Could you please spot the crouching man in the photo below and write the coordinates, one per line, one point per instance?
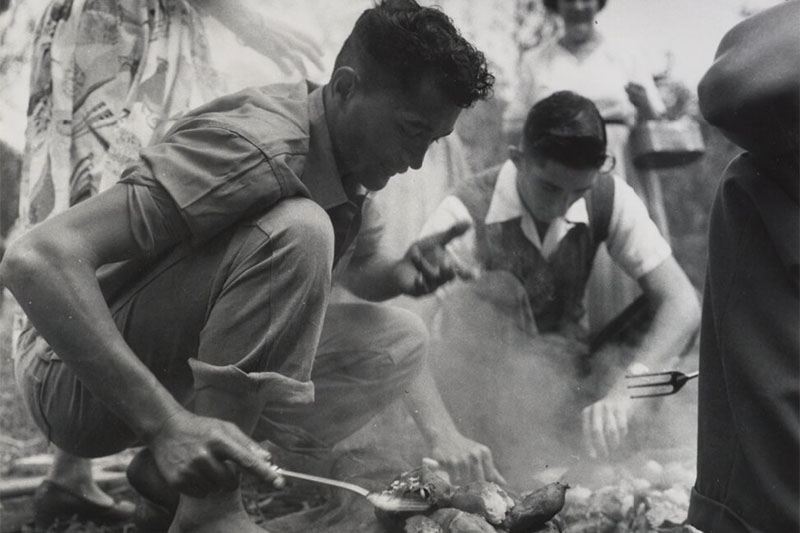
(188, 322)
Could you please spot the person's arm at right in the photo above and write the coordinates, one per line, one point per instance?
(51, 270)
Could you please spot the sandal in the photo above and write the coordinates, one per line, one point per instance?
(55, 503)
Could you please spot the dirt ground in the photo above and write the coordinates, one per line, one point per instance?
(20, 438)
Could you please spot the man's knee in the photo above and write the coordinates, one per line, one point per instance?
(301, 234)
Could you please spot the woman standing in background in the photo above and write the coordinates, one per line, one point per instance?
(617, 80)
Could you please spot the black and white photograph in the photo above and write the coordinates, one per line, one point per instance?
(400, 266)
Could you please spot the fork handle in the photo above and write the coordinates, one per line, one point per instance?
(324, 480)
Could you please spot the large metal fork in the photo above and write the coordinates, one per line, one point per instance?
(675, 380)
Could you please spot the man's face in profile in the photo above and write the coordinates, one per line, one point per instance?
(387, 131)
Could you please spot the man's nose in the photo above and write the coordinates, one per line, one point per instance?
(415, 156)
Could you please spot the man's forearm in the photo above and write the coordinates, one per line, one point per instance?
(377, 280)
(427, 407)
(62, 298)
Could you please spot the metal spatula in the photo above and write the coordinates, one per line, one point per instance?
(381, 500)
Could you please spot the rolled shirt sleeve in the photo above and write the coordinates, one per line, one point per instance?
(214, 178)
(634, 241)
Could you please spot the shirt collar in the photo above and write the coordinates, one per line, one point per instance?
(321, 174)
(506, 203)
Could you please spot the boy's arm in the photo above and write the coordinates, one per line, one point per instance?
(677, 317)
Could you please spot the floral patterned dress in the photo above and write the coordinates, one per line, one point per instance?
(108, 77)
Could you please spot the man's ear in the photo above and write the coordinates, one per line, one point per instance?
(344, 82)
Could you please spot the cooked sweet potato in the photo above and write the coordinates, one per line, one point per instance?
(536, 508)
(457, 521)
(422, 524)
(483, 498)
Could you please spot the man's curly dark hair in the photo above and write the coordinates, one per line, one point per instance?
(398, 42)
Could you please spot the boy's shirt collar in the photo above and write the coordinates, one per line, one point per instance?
(507, 205)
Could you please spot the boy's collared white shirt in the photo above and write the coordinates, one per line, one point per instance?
(633, 242)
(507, 205)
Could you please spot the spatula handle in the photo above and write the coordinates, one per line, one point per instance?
(325, 481)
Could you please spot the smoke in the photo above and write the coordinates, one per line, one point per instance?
(523, 397)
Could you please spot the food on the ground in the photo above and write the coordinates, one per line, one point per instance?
(653, 472)
(593, 524)
(422, 524)
(547, 527)
(483, 498)
(669, 506)
(612, 502)
(536, 508)
(423, 483)
(457, 521)
(632, 503)
(676, 473)
(479, 507)
(578, 496)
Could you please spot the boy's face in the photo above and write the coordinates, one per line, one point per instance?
(548, 188)
(578, 11)
(383, 132)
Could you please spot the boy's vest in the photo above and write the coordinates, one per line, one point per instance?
(555, 286)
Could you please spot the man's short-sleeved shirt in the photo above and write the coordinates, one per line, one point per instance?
(231, 159)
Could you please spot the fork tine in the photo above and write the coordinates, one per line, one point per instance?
(649, 374)
(644, 385)
(676, 381)
(653, 395)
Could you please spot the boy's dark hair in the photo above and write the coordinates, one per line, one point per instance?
(552, 5)
(566, 127)
(398, 42)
